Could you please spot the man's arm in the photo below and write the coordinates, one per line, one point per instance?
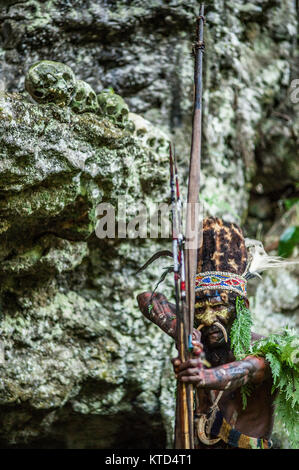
(226, 377)
(159, 311)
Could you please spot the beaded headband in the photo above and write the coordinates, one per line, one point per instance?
(214, 280)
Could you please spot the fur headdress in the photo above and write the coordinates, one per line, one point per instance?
(227, 260)
(222, 258)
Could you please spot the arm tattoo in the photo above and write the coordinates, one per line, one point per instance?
(159, 311)
(228, 376)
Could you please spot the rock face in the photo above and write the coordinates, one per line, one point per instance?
(70, 329)
(82, 368)
(142, 51)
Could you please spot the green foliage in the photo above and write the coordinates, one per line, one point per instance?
(290, 202)
(281, 351)
(150, 308)
(240, 334)
(109, 90)
(288, 240)
(246, 392)
(167, 270)
(240, 337)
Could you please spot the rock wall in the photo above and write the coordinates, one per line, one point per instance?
(82, 368)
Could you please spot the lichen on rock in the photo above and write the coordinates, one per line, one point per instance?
(62, 351)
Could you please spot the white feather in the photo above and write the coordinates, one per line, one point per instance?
(259, 260)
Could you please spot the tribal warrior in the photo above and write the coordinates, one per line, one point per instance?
(221, 420)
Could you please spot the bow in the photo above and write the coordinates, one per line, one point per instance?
(185, 250)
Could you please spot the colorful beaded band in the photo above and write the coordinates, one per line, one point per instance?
(221, 428)
(214, 280)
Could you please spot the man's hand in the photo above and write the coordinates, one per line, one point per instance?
(226, 377)
(197, 352)
(156, 308)
(197, 344)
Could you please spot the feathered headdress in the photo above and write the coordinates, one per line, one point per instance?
(259, 260)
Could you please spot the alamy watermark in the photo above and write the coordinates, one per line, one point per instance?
(142, 221)
(2, 353)
(294, 95)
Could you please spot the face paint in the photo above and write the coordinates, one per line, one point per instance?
(212, 308)
(215, 313)
(207, 313)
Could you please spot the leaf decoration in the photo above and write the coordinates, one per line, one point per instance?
(281, 351)
(240, 334)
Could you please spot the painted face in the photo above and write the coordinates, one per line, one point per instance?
(214, 313)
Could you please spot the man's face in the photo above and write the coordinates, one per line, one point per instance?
(214, 312)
